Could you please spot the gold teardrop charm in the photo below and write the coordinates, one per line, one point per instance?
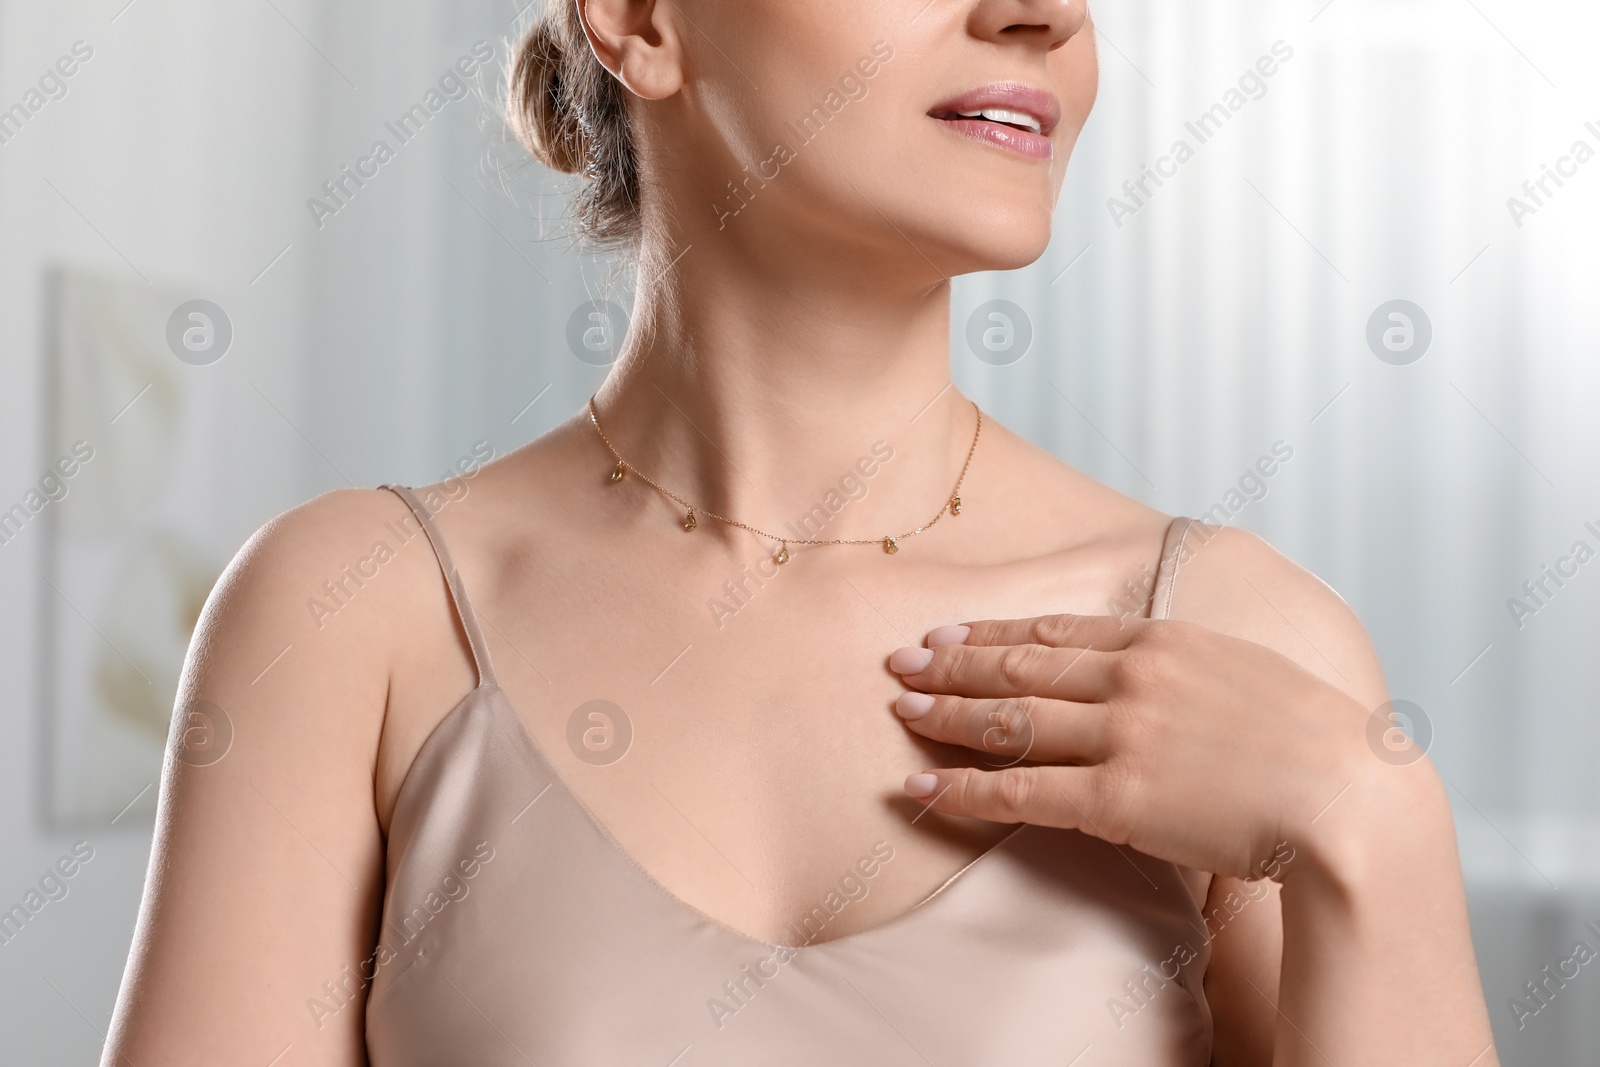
(783, 556)
(688, 520)
(616, 472)
(890, 545)
(955, 505)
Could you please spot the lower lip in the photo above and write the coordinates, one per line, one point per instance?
(1022, 142)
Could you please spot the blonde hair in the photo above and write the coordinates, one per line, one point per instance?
(572, 115)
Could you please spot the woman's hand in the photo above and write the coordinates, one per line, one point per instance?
(1191, 746)
(1208, 751)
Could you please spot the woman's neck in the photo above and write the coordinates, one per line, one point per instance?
(752, 389)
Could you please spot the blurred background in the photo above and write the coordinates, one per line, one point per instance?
(1381, 257)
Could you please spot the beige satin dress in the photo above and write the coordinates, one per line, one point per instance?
(515, 930)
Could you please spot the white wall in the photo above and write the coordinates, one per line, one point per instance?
(158, 154)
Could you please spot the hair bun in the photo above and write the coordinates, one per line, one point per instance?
(540, 115)
(571, 114)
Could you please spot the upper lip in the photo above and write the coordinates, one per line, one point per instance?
(1013, 96)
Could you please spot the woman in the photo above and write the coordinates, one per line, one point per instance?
(595, 755)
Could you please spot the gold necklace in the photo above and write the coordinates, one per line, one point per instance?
(890, 542)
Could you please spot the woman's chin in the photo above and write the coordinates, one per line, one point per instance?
(1008, 244)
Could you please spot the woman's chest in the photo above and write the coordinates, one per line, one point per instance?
(737, 738)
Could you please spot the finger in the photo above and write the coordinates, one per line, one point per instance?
(1011, 729)
(1105, 632)
(1067, 797)
(1082, 675)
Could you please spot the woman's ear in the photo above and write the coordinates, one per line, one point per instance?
(638, 42)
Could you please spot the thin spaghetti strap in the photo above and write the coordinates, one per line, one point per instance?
(458, 592)
(1172, 556)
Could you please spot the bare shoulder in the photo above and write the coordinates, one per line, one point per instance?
(305, 544)
(266, 798)
(1234, 582)
(1221, 577)
(323, 583)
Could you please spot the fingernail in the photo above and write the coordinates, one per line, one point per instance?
(913, 705)
(948, 635)
(910, 660)
(921, 785)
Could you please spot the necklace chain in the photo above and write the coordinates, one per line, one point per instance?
(890, 542)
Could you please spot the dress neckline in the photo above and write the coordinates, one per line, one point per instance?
(497, 701)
